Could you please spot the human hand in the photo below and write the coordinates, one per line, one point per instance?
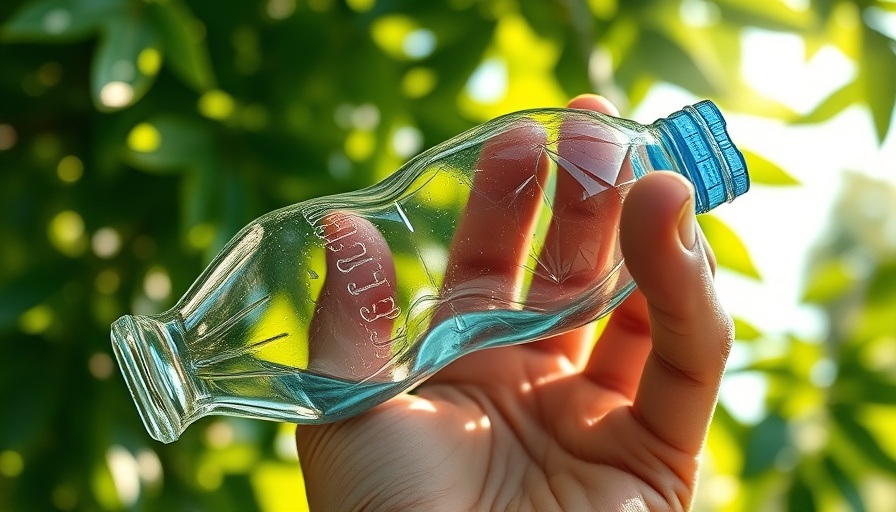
(556, 424)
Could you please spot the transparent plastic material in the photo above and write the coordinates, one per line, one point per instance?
(505, 234)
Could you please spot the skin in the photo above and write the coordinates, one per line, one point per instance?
(562, 423)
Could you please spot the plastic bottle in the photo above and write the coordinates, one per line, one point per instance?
(502, 235)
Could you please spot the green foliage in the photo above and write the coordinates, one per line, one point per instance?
(766, 172)
(730, 251)
(137, 136)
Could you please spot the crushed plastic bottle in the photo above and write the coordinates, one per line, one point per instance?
(505, 234)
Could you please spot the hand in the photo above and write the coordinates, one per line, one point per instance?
(558, 424)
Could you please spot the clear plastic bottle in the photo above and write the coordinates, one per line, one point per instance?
(505, 234)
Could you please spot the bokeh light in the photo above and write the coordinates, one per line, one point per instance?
(70, 169)
(127, 166)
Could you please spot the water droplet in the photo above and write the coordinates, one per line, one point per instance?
(312, 274)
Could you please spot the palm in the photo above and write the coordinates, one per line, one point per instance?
(559, 424)
(502, 429)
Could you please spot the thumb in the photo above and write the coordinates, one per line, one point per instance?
(691, 334)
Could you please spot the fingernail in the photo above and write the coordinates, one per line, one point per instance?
(687, 224)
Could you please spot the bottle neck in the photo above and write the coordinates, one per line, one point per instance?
(149, 351)
(694, 142)
(667, 154)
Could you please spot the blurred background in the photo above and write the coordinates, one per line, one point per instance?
(137, 136)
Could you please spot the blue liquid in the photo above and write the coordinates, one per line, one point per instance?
(314, 398)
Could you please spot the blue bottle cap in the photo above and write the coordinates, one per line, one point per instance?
(695, 137)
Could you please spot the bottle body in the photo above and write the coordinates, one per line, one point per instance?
(318, 311)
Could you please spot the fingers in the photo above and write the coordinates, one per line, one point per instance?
(617, 359)
(352, 326)
(691, 333)
(581, 246)
(492, 239)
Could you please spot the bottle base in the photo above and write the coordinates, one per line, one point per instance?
(145, 354)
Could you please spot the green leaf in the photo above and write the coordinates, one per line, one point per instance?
(200, 197)
(28, 290)
(775, 16)
(830, 281)
(856, 384)
(765, 172)
(766, 441)
(877, 318)
(861, 438)
(730, 251)
(666, 59)
(59, 20)
(800, 497)
(877, 71)
(745, 331)
(823, 8)
(126, 61)
(882, 289)
(544, 17)
(168, 143)
(184, 43)
(837, 102)
(844, 483)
